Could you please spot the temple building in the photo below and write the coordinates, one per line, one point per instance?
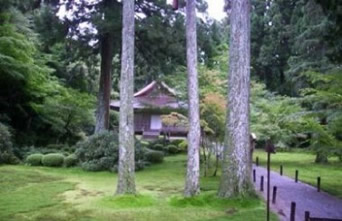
(150, 104)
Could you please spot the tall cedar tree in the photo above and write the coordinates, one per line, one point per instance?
(193, 167)
(235, 179)
(103, 100)
(126, 182)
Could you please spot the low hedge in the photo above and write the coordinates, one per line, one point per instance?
(34, 159)
(53, 160)
(172, 149)
(154, 156)
(158, 147)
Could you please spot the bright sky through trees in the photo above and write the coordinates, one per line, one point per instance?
(215, 9)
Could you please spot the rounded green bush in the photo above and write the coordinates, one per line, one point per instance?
(53, 160)
(158, 147)
(70, 161)
(101, 152)
(34, 159)
(172, 149)
(183, 145)
(155, 156)
(98, 152)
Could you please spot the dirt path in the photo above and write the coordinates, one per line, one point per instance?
(320, 204)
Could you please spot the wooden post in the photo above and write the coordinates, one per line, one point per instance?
(318, 184)
(307, 216)
(274, 195)
(293, 211)
(281, 170)
(254, 176)
(296, 176)
(262, 183)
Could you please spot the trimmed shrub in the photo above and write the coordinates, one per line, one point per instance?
(172, 149)
(183, 146)
(25, 151)
(157, 142)
(34, 159)
(154, 156)
(101, 152)
(98, 152)
(70, 160)
(53, 160)
(158, 147)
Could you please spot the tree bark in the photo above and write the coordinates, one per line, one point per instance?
(193, 167)
(103, 99)
(235, 179)
(126, 179)
(209, 150)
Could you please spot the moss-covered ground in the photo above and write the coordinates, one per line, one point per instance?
(56, 194)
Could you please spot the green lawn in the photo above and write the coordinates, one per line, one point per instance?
(330, 173)
(55, 194)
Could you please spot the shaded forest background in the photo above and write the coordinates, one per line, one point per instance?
(50, 66)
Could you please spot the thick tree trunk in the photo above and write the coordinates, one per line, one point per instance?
(217, 157)
(251, 151)
(126, 180)
(235, 179)
(103, 99)
(216, 164)
(193, 171)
